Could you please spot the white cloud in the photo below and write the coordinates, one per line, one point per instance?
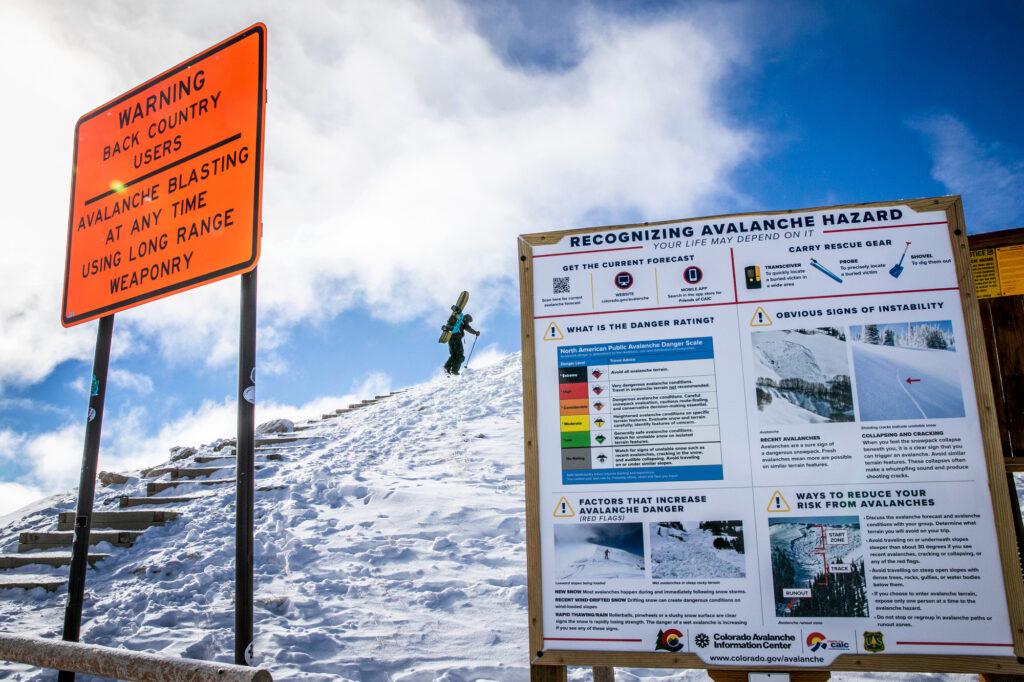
(15, 496)
(993, 190)
(400, 148)
(54, 457)
(131, 381)
(9, 444)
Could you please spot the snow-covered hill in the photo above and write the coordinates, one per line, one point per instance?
(391, 548)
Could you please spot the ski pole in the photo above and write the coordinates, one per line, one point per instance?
(471, 350)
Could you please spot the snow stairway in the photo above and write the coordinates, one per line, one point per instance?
(197, 470)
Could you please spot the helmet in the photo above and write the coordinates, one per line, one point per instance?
(468, 318)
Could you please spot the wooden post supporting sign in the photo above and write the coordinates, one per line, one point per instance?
(166, 196)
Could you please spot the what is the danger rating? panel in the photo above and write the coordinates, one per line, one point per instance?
(639, 412)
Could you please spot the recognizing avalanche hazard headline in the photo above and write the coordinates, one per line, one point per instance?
(739, 227)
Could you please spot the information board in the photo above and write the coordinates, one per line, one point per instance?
(755, 440)
(167, 180)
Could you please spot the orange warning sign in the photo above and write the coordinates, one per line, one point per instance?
(166, 190)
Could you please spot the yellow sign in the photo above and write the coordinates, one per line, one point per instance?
(553, 332)
(761, 318)
(777, 503)
(564, 510)
(1010, 262)
(985, 272)
(998, 272)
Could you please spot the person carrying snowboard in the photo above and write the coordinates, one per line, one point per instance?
(456, 350)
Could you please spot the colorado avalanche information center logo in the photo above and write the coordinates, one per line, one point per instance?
(669, 640)
(816, 641)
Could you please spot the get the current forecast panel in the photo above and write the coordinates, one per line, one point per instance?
(759, 442)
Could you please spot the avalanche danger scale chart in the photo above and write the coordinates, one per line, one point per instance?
(765, 440)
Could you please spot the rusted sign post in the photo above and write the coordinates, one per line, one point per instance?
(166, 196)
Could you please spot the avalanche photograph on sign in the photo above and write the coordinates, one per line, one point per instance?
(687, 550)
(803, 376)
(818, 567)
(904, 371)
(600, 551)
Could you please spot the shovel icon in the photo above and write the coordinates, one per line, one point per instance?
(897, 269)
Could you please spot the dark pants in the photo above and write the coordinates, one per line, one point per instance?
(457, 354)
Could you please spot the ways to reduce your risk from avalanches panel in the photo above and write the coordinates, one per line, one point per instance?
(758, 441)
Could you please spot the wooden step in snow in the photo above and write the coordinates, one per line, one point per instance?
(280, 440)
(126, 501)
(28, 581)
(28, 542)
(196, 472)
(159, 486)
(306, 427)
(119, 520)
(55, 559)
(156, 472)
(269, 456)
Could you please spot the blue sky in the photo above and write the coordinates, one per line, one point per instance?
(407, 148)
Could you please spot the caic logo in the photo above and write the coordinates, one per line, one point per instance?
(873, 641)
(816, 641)
(702, 640)
(669, 640)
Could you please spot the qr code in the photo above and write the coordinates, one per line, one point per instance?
(561, 285)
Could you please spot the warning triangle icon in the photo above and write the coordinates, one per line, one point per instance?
(777, 503)
(564, 510)
(761, 318)
(553, 332)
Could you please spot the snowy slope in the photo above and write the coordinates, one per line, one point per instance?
(394, 550)
(588, 562)
(883, 391)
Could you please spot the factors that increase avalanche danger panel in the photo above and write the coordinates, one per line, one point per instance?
(167, 179)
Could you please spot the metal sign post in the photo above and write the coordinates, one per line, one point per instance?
(245, 471)
(87, 486)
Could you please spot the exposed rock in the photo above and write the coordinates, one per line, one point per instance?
(181, 452)
(111, 478)
(222, 443)
(276, 426)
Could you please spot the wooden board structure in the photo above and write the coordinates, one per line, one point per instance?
(944, 659)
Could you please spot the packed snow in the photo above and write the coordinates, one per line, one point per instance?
(883, 391)
(392, 549)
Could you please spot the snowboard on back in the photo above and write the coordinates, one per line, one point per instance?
(460, 305)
